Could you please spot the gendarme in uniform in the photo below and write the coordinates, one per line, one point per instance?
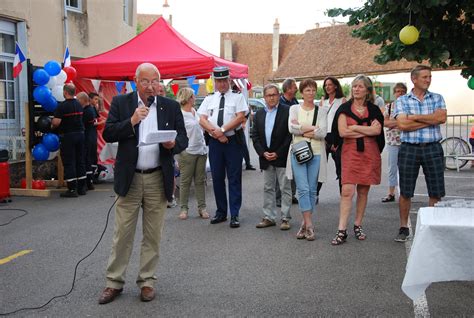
(221, 116)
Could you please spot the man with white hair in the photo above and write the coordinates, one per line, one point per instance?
(143, 177)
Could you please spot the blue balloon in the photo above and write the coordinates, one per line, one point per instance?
(41, 94)
(51, 142)
(41, 77)
(40, 152)
(50, 104)
(52, 67)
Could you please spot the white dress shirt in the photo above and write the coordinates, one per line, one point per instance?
(234, 103)
(148, 156)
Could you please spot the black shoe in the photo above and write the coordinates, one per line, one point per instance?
(250, 167)
(68, 194)
(90, 186)
(234, 222)
(278, 204)
(294, 200)
(218, 219)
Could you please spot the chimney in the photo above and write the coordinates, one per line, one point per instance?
(275, 45)
(228, 48)
(166, 12)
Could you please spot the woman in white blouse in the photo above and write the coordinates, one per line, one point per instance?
(192, 161)
(332, 99)
(308, 122)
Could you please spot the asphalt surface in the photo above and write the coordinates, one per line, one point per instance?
(214, 271)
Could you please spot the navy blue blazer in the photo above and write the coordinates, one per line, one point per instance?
(279, 141)
(119, 128)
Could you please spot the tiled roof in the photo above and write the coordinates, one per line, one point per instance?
(145, 20)
(255, 50)
(315, 54)
(333, 51)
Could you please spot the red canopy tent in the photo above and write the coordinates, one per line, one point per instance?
(160, 44)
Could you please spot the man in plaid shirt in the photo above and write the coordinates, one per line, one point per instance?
(419, 115)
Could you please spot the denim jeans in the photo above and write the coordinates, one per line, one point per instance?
(306, 178)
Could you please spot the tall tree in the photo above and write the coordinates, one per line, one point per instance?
(446, 30)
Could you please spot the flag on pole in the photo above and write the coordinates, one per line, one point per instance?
(19, 58)
(67, 58)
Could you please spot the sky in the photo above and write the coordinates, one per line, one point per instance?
(202, 21)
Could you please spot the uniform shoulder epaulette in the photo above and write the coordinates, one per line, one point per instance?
(236, 91)
(210, 94)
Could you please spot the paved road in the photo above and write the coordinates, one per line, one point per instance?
(214, 271)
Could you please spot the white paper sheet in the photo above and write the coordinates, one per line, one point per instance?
(157, 137)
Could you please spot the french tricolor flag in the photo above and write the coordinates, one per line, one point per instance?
(67, 58)
(19, 58)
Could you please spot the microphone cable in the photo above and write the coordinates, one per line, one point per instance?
(75, 268)
(16, 217)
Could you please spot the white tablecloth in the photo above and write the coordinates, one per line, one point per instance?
(442, 250)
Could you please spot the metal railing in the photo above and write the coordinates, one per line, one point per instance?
(16, 146)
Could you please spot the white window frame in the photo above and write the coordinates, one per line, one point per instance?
(126, 12)
(72, 8)
(7, 27)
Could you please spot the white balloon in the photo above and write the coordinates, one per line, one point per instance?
(57, 92)
(61, 78)
(52, 82)
(53, 154)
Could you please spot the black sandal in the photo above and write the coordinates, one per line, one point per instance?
(389, 198)
(340, 237)
(359, 233)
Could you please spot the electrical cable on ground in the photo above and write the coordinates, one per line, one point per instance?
(75, 268)
(17, 217)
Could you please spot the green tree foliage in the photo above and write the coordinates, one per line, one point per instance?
(446, 30)
(139, 28)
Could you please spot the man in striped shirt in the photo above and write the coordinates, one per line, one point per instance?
(419, 115)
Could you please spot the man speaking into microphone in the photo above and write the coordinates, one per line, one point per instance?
(143, 177)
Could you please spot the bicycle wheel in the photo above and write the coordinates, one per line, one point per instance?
(454, 146)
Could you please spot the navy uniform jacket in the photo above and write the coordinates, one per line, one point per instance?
(279, 141)
(119, 128)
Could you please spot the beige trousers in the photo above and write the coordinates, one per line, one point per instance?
(192, 167)
(146, 191)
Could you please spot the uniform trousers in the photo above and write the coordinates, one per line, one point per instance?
(146, 191)
(271, 176)
(72, 155)
(226, 160)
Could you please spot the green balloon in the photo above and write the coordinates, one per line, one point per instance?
(470, 82)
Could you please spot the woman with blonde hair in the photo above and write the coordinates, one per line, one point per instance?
(192, 161)
(358, 129)
(308, 125)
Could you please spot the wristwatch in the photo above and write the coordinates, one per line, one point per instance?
(222, 129)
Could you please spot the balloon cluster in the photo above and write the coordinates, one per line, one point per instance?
(47, 149)
(50, 80)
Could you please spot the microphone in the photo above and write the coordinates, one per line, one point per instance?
(150, 100)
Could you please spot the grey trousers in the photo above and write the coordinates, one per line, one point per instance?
(270, 176)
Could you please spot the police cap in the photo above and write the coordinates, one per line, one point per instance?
(220, 72)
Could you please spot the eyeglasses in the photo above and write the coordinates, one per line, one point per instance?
(146, 83)
(272, 95)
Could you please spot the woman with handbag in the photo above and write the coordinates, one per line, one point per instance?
(358, 129)
(308, 125)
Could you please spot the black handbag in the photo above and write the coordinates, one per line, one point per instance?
(302, 150)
